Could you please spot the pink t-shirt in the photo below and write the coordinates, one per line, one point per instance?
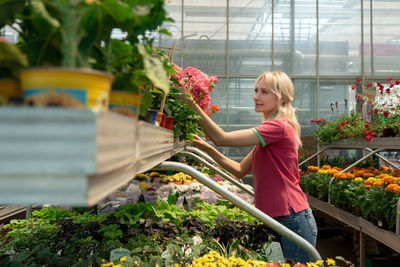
(276, 171)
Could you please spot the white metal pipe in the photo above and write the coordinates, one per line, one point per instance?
(270, 222)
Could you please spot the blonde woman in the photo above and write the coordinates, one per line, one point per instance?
(274, 159)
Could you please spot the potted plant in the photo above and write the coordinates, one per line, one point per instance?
(11, 60)
(73, 37)
(136, 73)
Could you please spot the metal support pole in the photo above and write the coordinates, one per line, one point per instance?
(349, 167)
(383, 158)
(316, 154)
(271, 223)
(28, 212)
(201, 154)
(362, 250)
(224, 175)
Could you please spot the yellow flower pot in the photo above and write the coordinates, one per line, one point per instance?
(72, 88)
(10, 92)
(125, 103)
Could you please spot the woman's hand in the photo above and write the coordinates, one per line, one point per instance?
(200, 143)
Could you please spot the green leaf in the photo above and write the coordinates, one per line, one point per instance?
(154, 69)
(118, 10)
(11, 55)
(8, 10)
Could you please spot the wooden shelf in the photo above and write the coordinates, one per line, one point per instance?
(388, 143)
(74, 157)
(388, 238)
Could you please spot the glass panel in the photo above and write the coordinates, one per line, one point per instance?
(305, 103)
(295, 35)
(282, 55)
(332, 91)
(386, 36)
(340, 37)
(250, 35)
(218, 97)
(367, 38)
(205, 36)
(241, 105)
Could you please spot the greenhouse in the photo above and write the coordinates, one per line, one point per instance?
(199, 133)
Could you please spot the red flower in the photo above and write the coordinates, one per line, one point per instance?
(363, 132)
(369, 85)
(214, 108)
(208, 112)
(367, 125)
(381, 87)
(347, 122)
(388, 91)
(391, 85)
(353, 87)
(397, 82)
(370, 112)
(389, 79)
(358, 81)
(376, 111)
(369, 138)
(385, 114)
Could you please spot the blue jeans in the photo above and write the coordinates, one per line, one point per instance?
(303, 224)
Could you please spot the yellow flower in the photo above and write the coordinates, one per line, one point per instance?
(285, 265)
(123, 258)
(330, 261)
(358, 180)
(319, 263)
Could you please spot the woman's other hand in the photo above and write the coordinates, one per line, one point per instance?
(200, 143)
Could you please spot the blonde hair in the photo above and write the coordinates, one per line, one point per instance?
(282, 87)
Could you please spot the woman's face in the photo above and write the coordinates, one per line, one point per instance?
(264, 100)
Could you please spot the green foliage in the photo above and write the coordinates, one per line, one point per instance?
(373, 204)
(345, 194)
(378, 205)
(330, 131)
(185, 118)
(316, 184)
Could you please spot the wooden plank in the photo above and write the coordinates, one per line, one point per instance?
(339, 214)
(388, 238)
(390, 143)
(10, 211)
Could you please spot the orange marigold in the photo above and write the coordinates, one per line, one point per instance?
(368, 182)
(326, 167)
(378, 183)
(396, 189)
(367, 186)
(383, 168)
(312, 168)
(390, 187)
(337, 168)
(389, 179)
(367, 175)
(350, 176)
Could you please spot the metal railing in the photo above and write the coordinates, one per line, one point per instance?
(270, 222)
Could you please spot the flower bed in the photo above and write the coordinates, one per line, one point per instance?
(153, 186)
(367, 192)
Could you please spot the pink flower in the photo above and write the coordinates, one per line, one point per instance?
(3, 40)
(369, 138)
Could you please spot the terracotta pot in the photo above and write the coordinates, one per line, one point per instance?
(168, 122)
